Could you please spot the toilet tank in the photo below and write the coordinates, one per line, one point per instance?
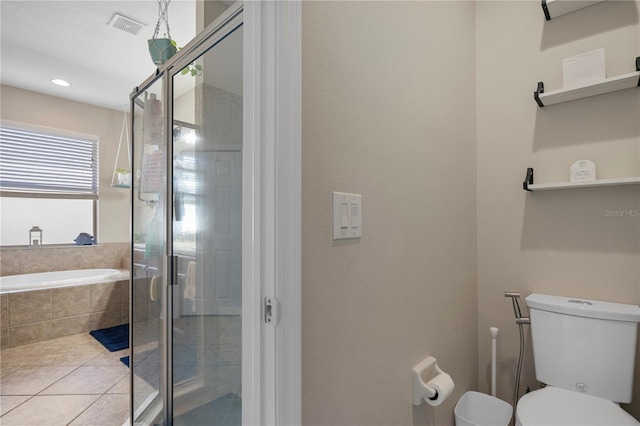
(584, 345)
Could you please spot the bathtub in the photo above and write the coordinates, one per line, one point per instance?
(56, 279)
(48, 305)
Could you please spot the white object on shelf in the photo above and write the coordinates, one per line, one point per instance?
(124, 178)
(584, 184)
(554, 8)
(613, 84)
(582, 170)
(584, 69)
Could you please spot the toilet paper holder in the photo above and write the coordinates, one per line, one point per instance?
(422, 374)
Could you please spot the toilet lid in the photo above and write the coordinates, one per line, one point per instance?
(555, 406)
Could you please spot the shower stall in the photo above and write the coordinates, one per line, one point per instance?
(187, 225)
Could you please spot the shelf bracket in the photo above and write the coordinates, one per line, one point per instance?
(528, 180)
(536, 94)
(545, 9)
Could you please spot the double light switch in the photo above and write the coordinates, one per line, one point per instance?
(347, 216)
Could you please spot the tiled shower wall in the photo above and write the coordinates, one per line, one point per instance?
(34, 316)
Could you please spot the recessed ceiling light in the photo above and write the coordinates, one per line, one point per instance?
(60, 82)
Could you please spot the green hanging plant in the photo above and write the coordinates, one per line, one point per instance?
(193, 68)
(162, 49)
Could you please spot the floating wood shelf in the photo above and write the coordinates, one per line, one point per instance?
(554, 8)
(528, 184)
(607, 85)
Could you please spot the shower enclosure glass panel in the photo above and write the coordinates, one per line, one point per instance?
(149, 203)
(207, 235)
(186, 329)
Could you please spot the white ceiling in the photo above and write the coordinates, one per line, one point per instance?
(72, 40)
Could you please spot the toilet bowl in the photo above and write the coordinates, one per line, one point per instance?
(555, 406)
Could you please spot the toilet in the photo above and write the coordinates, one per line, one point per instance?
(584, 351)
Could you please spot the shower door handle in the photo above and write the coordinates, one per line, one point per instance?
(172, 263)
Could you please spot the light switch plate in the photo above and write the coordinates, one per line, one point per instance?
(347, 216)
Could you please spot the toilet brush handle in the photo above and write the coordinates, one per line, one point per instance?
(494, 335)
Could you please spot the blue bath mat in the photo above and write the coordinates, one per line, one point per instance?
(113, 338)
(125, 360)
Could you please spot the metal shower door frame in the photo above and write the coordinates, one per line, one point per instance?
(213, 34)
(271, 217)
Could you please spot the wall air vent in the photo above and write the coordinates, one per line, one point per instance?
(123, 23)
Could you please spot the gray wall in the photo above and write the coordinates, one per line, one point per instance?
(388, 112)
(559, 242)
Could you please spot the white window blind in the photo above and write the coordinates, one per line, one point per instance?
(41, 161)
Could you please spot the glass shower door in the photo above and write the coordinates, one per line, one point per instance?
(186, 329)
(207, 235)
(149, 221)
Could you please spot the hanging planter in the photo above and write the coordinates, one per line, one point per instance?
(162, 49)
(124, 177)
(121, 177)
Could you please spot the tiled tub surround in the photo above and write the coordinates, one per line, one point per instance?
(38, 315)
(16, 261)
(46, 314)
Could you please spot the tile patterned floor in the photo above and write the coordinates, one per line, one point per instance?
(71, 380)
(75, 381)
(207, 369)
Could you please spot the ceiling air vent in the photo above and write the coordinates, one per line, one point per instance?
(123, 23)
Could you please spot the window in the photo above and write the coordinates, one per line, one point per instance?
(49, 179)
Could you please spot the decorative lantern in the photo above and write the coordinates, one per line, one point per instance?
(35, 237)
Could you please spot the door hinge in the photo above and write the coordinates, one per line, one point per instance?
(271, 311)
